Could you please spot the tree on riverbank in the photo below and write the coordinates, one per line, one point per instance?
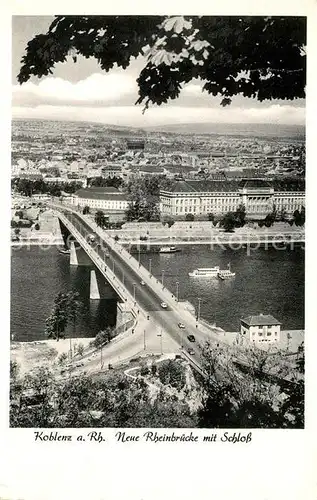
(103, 337)
(231, 220)
(261, 57)
(228, 222)
(144, 196)
(67, 308)
(299, 217)
(100, 218)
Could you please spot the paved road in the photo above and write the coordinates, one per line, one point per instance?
(148, 299)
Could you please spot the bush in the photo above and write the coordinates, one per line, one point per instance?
(144, 370)
(62, 358)
(37, 227)
(189, 217)
(103, 337)
(117, 237)
(80, 349)
(172, 373)
(211, 217)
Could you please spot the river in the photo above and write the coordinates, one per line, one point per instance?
(267, 281)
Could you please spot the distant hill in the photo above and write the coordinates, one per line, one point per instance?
(81, 127)
(229, 129)
(239, 129)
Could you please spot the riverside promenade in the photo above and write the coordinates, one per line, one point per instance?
(204, 233)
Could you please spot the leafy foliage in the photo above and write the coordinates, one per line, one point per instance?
(173, 373)
(228, 221)
(190, 217)
(235, 219)
(67, 307)
(103, 337)
(100, 218)
(144, 195)
(82, 401)
(299, 217)
(249, 398)
(258, 57)
(108, 182)
(28, 187)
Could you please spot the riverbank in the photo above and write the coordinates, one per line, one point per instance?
(32, 243)
(41, 352)
(205, 233)
(289, 341)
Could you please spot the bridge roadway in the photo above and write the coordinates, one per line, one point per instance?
(148, 297)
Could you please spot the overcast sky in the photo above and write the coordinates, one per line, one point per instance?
(82, 91)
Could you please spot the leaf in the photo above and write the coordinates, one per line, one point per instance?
(176, 24)
(226, 101)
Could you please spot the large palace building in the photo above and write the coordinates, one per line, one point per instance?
(219, 197)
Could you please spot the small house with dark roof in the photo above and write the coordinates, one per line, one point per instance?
(260, 328)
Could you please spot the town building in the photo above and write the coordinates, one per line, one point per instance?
(108, 199)
(260, 328)
(135, 144)
(200, 197)
(111, 170)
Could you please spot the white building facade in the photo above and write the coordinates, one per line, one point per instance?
(220, 197)
(100, 198)
(263, 328)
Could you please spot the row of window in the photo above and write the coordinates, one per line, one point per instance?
(104, 204)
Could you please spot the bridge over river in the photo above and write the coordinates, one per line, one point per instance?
(137, 291)
(115, 270)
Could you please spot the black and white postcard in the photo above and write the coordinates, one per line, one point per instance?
(157, 181)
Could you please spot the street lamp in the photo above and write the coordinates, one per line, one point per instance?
(150, 266)
(161, 340)
(198, 315)
(134, 284)
(163, 271)
(177, 285)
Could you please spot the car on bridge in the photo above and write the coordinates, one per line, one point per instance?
(181, 325)
(91, 238)
(164, 305)
(191, 338)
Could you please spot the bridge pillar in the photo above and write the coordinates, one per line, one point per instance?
(78, 256)
(99, 287)
(94, 288)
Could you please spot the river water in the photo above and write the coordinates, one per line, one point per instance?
(267, 281)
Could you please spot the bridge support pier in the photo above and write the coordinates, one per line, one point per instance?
(99, 288)
(78, 256)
